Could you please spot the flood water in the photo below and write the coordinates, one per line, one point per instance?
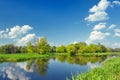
(54, 68)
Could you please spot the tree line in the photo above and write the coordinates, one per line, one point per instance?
(42, 47)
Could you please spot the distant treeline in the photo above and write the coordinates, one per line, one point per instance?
(42, 47)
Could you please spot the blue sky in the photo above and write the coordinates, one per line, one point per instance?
(60, 21)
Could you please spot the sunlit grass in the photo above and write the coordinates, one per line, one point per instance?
(109, 71)
(19, 57)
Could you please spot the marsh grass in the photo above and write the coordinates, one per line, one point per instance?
(19, 57)
(109, 71)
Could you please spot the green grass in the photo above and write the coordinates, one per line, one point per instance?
(19, 57)
(26, 56)
(100, 54)
(109, 71)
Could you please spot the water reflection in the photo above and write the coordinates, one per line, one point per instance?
(12, 71)
(42, 66)
(55, 68)
(81, 60)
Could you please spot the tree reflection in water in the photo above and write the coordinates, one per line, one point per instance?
(41, 64)
(81, 60)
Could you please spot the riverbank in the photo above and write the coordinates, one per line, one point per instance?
(26, 56)
(20, 57)
(109, 71)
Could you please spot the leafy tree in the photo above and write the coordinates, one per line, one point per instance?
(93, 48)
(71, 49)
(30, 48)
(43, 46)
(22, 49)
(53, 49)
(61, 49)
(10, 48)
(103, 48)
(82, 47)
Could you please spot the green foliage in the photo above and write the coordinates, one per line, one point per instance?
(53, 49)
(92, 48)
(30, 48)
(43, 46)
(10, 48)
(61, 49)
(19, 57)
(109, 71)
(82, 48)
(71, 49)
(22, 49)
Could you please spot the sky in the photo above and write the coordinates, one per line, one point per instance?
(60, 21)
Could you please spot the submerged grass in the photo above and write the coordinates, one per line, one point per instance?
(109, 71)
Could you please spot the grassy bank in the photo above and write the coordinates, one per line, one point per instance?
(26, 56)
(109, 71)
(19, 57)
(100, 54)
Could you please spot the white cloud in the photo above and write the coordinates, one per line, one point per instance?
(117, 32)
(17, 35)
(24, 40)
(97, 36)
(111, 26)
(3, 33)
(98, 11)
(102, 6)
(99, 26)
(98, 16)
(116, 2)
(18, 31)
(15, 32)
(115, 45)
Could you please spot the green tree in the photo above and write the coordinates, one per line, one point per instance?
(30, 48)
(53, 49)
(22, 49)
(102, 47)
(71, 49)
(61, 49)
(43, 46)
(10, 48)
(82, 47)
(93, 48)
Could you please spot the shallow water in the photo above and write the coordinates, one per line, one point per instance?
(55, 68)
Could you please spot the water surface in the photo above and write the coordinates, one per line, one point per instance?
(54, 68)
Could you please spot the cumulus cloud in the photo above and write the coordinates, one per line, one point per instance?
(15, 32)
(18, 35)
(116, 2)
(98, 11)
(3, 33)
(111, 26)
(25, 39)
(18, 31)
(99, 26)
(96, 36)
(117, 32)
